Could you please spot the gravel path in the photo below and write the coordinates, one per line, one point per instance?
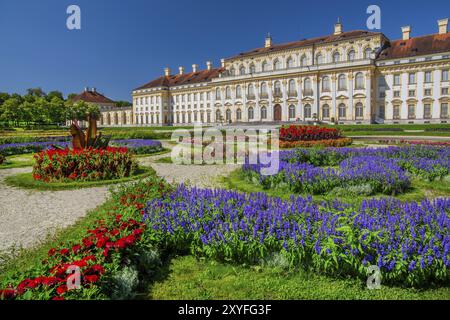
(27, 217)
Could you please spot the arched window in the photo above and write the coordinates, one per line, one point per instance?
(252, 68)
(265, 66)
(319, 59)
(307, 87)
(292, 91)
(351, 55)
(359, 81)
(228, 115)
(217, 94)
(250, 113)
(277, 64)
(290, 62)
(342, 111)
(251, 91)
(307, 111)
(263, 113)
(303, 61)
(238, 92)
(227, 93)
(359, 111)
(326, 84)
(264, 92)
(277, 89)
(325, 111)
(242, 70)
(291, 111)
(342, 82)
(368, 53)
(218, 116)
(336, 57)
(238, 114)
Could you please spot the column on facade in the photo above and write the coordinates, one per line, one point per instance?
(284, 107)
(299, 112)
(351, 112)
(244, 110)
(315, 84)
(436, 107)
(404, 94)
(270, 106)
(333, 97)
(212, 106)
(419, 95)
(368, 106)
(257, 110)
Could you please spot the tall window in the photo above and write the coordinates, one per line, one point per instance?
(444, 110)
(218, 116)
(232, 71)
(359, 81)
(291, 111)
(411, 111)
(319, 59)
(368, 53)
(263, 113)
(238, 92)
(228, 115)
(412, 78)
(326, 84)
(445, 75)
(428, 76)
(427, 111)
(307, 87)
(292, 90)
(342, 111)
(290, 62)
(396, 112)
(336, 57)
(264, 92)
(277, 64)
(326, 111)
(227, 93)
(250, 113)
(265, 66)
(351, 55)
(238, 114)
(342, 82)
(251, 91)
(303, 61)
(277, 89)
(252, 68)
(242, 70)
(359, 111)
(217, 94)
(307, 111)
(396, 79)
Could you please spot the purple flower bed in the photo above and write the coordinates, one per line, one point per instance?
(139, 146)
(29, 147)
(409, 242)
(386, 170)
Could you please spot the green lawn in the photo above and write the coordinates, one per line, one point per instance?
(192, 279)
(26, 181)
(18, 161)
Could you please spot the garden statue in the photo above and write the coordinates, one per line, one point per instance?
(88, 139)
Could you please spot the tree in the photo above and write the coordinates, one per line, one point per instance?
(122, 104)
(36, 92)
(80, 110)
(12, 111)
(54, 94)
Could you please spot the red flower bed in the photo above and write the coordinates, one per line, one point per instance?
(308, 133)
(83, 164)
(114, 239)
(337, 143)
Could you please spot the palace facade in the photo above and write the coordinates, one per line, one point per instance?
(346, 78)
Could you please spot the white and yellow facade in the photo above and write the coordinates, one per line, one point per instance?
(347, 77)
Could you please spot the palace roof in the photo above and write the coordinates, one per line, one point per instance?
(92, 97)
(306, 42)
(183, 79)
(417, 46)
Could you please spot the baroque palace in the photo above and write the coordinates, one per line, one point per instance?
(346, 78)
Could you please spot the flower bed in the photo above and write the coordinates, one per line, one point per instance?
(337, 143)
(416, 142)
(139, 146)
(385, 170)
(112, 255)
(83, 164)
(30, 147)
(409, 242)
(308, 133)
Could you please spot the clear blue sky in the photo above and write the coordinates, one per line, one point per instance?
(124, 44)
